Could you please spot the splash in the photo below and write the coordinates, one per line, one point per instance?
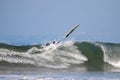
(111, 53)
(92, 55)
(60, 55)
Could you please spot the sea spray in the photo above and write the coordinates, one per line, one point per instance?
(68, 54)
(111, 53)
(60, 55)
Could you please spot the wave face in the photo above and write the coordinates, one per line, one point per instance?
(111, 53)
(60, 55)
(92, 55)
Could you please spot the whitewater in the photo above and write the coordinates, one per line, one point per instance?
(60, 55)
(68, 60)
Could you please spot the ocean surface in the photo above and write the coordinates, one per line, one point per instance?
(69, 60)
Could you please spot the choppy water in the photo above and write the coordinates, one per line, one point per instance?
(78, 76)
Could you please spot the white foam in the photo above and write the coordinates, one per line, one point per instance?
(111, 54)
(60, 55)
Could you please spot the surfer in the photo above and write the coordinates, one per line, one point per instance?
(68, 34)
(48, 45)
(54, 42)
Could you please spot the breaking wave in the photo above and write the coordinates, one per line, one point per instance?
(62, 55)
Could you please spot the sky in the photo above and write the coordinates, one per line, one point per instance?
(37, 21)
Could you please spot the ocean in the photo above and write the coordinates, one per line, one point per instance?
(68, 60)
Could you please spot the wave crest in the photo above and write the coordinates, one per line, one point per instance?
(60, 55)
